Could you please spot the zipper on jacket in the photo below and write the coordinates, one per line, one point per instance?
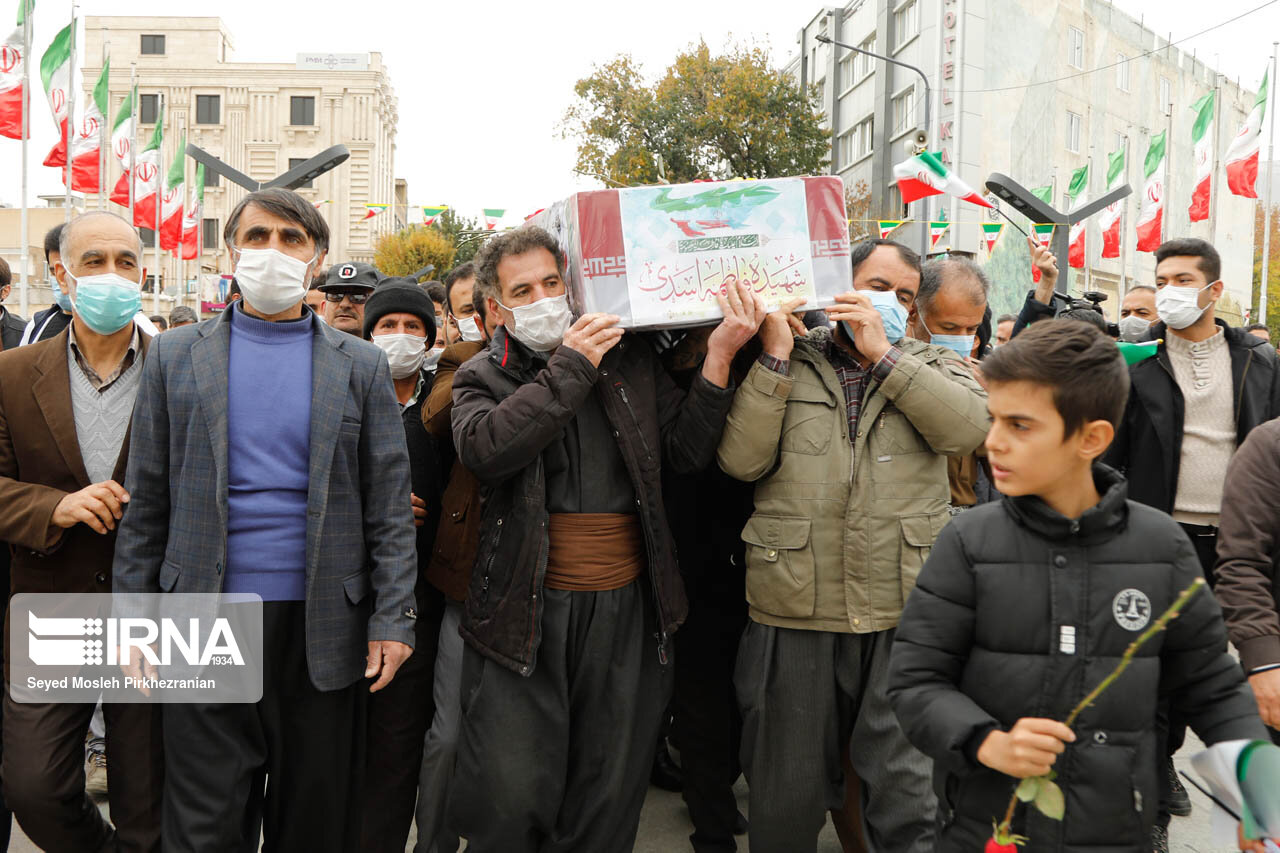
(622, 392)
(1244, 376)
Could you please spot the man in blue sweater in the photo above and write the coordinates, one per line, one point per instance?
(272, 460)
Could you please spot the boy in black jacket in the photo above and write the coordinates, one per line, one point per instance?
(1025, 605)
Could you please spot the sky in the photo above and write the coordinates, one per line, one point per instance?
(482, 87)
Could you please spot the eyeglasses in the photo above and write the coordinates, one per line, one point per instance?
(337, 296)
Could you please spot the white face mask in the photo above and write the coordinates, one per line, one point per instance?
(541, 325)
(432, 359)
(1179, 307)
(405, 353)
(469, 329)
(271, 281)
(1133, 328)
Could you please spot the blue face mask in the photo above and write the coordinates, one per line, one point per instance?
(892, 314)
(961, 345)
(106, 302)
(60, 297)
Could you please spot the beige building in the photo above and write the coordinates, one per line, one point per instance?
(261, 118)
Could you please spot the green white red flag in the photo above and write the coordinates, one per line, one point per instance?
(13, 61)
(991, 234)
(1078, 192)
(191, 221)
(173, 199)
(1202, 132)
(86, 142)
(924, 175)
(888, 226)
(146, 187)
(122, 132)
(492, 215)
(1151, 217)
(1242, 156)
(55, 74)
(372, 210)
(1043, 232)
(936, 230)
(429, 214)
(1112, 213)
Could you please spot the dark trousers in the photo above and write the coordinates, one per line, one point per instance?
(707, 728)
(558, 762)
(44, 776)
(1171, 730)
(305, 745)
(399, 715)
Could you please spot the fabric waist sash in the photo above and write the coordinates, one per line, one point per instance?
(594, 552)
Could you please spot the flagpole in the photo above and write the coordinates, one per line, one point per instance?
(1166, 181)
(1213, 175)
(155, 291)
(103, 138)
(1125, 275)
(1271, 181)
(71, 112)
(133, 144)
(26, 109)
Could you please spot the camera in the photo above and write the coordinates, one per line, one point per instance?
(1089, 301)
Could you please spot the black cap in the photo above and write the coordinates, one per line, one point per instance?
(351, 274)
(396, 296)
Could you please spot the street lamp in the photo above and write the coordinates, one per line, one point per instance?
(309, 170)
(928, 92)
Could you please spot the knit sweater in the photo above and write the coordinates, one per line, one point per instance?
(1203, 373)
(268, 456)
(102, 417)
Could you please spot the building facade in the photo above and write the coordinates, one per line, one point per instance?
(1032, 90)
(260, 118)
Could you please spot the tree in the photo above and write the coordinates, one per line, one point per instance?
(1273, 272)
(857, 207)
(410, 249)
(709, 117)
(450, 225)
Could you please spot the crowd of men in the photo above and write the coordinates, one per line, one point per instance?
(508, 557)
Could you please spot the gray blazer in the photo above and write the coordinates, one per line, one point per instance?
(361, 553)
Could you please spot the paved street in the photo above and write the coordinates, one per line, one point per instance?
(664, 825)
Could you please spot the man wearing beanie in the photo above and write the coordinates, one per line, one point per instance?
(399, 318)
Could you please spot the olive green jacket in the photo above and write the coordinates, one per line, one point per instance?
(840, 530)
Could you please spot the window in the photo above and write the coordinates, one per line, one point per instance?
(845, 71)
(148, 238)
(302, 111)
(1120, 142)
(863, 64)
(298, 161)
(906, 23)
(1073, 131)
(846, 148)
(1075, 47)
(904, 111)
(152, 45)
(148, 106)
(860, 140)
(211, 178)
(208, 109)
(1166, 95)
(1122, 72)
(209, 234)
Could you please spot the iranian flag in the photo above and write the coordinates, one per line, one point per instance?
(146, 185)
(1152, 213)
(888, 226)
(429, 214)
(1202, 138)
(924, 175)
(122, 133)
(191, 222)
(991, 234)
(86, 143)
(1112, 213)
(1242, 156)
(372, 210)
(13, 61)
(1043, 231)
(173, 200)
(55, 74)
(936, 230)
(491, 217)
(1078, 192)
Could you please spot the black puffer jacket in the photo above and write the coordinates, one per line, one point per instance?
(1020, 612)
(1148, 444)
(506, 411)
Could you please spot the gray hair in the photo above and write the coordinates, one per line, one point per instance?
(938, 272)
(183, 314)
(1140, 285)
(285, 204)
(64, 238)
(523, 239)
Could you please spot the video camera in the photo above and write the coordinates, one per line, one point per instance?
(1091, 300)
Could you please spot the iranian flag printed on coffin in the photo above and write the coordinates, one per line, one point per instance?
(174, 198)
(1152, 214)
(1078, 192)
(191, 222)
(1242, 156)
(55, 74)
(12, 63)
(146, 185)
(86, 142)
(1202, 138)
(924, 175)
(1111, 214)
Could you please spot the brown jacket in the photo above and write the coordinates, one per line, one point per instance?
(459, 534)
(1249, 548)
